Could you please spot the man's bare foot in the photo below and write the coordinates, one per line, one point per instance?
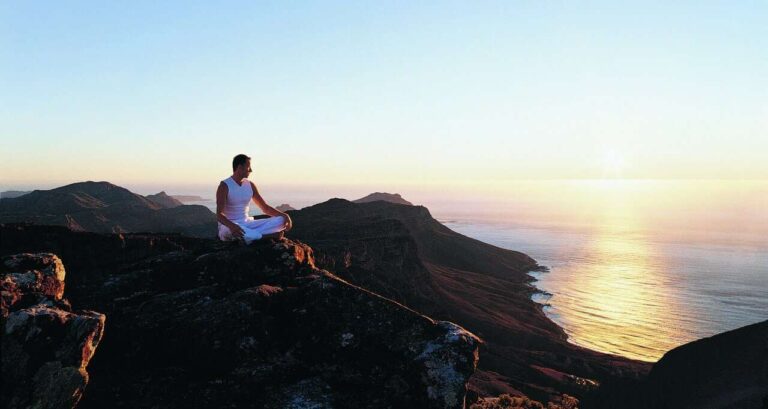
(277, 236)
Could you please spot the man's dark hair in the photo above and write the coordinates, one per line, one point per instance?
(239, 160)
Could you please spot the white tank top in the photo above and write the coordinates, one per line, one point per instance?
(238, 199)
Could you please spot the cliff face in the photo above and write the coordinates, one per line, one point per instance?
(45, 345)
(198, 323)
(403, 253)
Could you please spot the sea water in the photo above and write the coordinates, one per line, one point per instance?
(637, 268)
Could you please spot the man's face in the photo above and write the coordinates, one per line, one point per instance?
(245, 170)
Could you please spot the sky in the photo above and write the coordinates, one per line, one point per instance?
(381, 93)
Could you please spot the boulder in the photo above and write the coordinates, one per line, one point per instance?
(45, 346)
(29, 279)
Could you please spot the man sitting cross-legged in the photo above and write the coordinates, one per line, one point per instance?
(233, 199)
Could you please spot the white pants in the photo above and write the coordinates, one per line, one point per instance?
(254, 228)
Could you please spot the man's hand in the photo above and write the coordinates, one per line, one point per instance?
(237, 231)
(288, 221)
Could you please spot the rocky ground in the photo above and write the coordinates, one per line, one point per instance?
(197, 323)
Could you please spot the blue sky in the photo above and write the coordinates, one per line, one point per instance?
(396, 92)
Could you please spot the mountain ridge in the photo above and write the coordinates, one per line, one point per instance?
(107, 208)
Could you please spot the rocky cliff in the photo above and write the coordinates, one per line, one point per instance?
(197, 323)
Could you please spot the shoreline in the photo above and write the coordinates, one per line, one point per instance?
(546, 308)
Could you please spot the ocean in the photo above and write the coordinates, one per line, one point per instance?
(653, 266)
(636, 267)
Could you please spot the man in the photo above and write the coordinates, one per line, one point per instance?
(233, 199)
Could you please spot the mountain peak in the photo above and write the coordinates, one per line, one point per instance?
(387, 197)
(164, 200)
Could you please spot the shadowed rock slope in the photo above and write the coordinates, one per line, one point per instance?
(197, 323)
(403, 253)
(106, 208)
(728, 370)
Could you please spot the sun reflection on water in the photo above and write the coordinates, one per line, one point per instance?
(623, 293)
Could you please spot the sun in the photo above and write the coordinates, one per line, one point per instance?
(613, 164)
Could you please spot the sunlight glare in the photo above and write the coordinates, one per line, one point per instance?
(613, 164)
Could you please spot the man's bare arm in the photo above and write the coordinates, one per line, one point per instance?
(221, 201)
(267, 209)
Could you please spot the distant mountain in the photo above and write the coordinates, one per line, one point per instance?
(188, 198)
(164, 201)
(387, 197)
(284, 207)
(106, 208)
(10, 194)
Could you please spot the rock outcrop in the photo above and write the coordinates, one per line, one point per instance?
(45, 345)
(197, 323)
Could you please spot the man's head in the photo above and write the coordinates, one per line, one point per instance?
(241, 166)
